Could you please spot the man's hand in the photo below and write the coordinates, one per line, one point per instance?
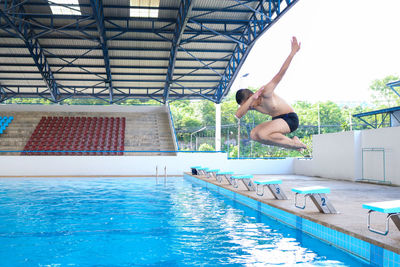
(295, 45)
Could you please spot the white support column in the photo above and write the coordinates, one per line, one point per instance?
(217, 127)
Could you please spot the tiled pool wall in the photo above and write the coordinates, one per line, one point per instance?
(365, 250)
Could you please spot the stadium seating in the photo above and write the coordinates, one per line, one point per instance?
(4, 122)
(77, 136)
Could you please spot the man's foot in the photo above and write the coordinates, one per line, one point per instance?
(298, 144)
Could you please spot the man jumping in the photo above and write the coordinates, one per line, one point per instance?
(284, 119)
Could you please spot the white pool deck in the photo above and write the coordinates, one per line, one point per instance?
(347, 197)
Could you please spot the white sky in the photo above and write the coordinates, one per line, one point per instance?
(345, 45)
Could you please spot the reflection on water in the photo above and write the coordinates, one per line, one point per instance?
(136, 222)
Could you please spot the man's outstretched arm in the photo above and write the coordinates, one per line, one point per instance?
(270, 87)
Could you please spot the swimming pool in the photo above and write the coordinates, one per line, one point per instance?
(138, 222)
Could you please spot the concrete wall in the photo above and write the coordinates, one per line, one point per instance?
(134, 165)
(389, 140)
(334, 156)
(340, 156)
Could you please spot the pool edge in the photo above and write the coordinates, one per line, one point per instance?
(365, 248)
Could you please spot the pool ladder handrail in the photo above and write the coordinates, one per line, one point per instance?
(165, 174)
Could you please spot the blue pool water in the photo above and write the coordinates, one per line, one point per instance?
(136, 222)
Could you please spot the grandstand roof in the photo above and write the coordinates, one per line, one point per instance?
(119, 49)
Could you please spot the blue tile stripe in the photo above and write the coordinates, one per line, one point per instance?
(371, 253)
(299, 223)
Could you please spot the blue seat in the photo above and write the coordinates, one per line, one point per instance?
(392, 208)
(4, 123)
(318, 196)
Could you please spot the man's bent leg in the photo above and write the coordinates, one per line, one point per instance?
(272, 133)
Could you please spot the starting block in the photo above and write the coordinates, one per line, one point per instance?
(202, 171)
(246, 180)
(212, 173)
(317, 195)
(273, 186)
(392, 208)
(226, 175)
(194, 169)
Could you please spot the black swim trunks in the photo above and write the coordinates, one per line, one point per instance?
(291, 119)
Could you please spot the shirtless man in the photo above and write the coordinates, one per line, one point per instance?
(284, 119)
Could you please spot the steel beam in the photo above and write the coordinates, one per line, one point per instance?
(140, 49)
(183, 16)
(127, 39)
(97, 7)
(64, 56)
(25, 33)
(259, 22)
(392, 85)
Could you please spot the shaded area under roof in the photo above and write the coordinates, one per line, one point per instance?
(193, 49)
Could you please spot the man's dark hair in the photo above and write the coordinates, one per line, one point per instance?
(242, 95)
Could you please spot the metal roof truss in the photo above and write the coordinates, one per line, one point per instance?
(194, 49)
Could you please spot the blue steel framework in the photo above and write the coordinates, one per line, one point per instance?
(386, 113)
(379, 122)
(392, 86)
(207, 44)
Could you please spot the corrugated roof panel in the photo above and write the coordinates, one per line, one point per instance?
(138, 77)
(117, 12)
(139, 84)
(115, 2)
(74, 52)
(143, 63)
(196, 64)
(76, 69)
(63, 76)
(135, 53)
(7, 40)
(67, 42)
(24, 60)
(6, 82)
(80, 83)
(14, 51)
(138, 70)
(207, 55)
(142, 36)
(215, 46)
(38, 9)
(21, 74)
(136, 44)
(18, 68)
(203, 83)
(95, 62)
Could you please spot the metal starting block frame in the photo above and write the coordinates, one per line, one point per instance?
(226, 175)
(392, 208)
(202, 171)
(195, 168)
(246, 180)
(273, 186)
(212, 173)
(318, 197)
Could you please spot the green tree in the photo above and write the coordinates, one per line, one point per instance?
(382, 92)
(206, 147)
